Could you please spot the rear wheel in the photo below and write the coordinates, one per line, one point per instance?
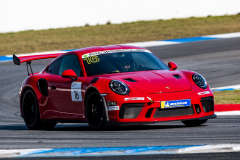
(192, 123)
(30, 112)
(94, 111)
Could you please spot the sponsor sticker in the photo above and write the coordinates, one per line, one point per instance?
(202, 93)
(92, 59)
(113, 108)
(76, 93)
(112, 51)
(175, 103)
(133, 98)
(149, 98)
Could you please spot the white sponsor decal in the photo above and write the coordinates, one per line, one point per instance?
(202, 93)
(178, 103)
(113, 51)
(133, 98)
(76, 91)
(113, 108)
(149, 98)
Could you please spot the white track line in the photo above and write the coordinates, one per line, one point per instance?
(228, 113)
(17, 152)
(226, 87)
(227, 35)
(211, 148)
(151, 43)
(195, 149)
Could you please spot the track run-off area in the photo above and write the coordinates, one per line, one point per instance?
(218, 60)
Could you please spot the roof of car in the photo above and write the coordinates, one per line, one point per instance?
(20, 59)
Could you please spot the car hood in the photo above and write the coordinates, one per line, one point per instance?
(159, 81)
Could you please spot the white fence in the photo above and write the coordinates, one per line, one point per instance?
(20, 15)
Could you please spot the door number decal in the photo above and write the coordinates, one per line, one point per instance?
(76, 91)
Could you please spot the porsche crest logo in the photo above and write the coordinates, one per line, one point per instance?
(167, 87)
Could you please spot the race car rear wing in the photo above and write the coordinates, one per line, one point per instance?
(20, 59)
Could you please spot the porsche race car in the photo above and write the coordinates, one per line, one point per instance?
(112, 85)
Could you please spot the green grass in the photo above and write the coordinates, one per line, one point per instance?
(78, 37)
(227, 97)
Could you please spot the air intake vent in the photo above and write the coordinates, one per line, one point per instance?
(149, 112)
(207, 104)
(43, 86)
(130, 110)
(173, 112)
(177, 76)
(198, 109)
(130, 80)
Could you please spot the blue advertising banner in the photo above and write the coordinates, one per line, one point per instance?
(175, 103)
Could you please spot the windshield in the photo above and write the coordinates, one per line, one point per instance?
(107, 63)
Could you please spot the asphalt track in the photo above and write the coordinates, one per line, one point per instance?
(217, 60)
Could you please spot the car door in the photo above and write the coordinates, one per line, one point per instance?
(65, 93)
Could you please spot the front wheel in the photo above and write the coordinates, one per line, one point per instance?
(30, 112)
(192, 123)
(94, 110)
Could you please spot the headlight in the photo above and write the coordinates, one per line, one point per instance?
(119, 87)
(199, 81)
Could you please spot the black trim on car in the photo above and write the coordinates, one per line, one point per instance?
(95, 79)
(43, 86)
(130, 110)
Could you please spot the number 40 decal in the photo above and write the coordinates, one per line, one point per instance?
(76, 91)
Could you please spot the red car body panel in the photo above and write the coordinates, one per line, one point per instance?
(152, 86)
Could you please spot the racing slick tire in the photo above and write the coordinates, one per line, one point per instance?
(30, 112)
(192, 123)
(94, 111)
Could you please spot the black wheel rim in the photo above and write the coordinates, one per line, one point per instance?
(29, 108)
(94, 108)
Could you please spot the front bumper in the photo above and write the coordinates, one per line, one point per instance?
(110, 123)
(142, 110)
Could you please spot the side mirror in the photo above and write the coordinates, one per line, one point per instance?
(69, 74)
(172, 66)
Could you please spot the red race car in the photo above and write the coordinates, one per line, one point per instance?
(112, 85)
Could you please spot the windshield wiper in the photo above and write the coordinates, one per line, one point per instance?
(148, 69)
(114, 72)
